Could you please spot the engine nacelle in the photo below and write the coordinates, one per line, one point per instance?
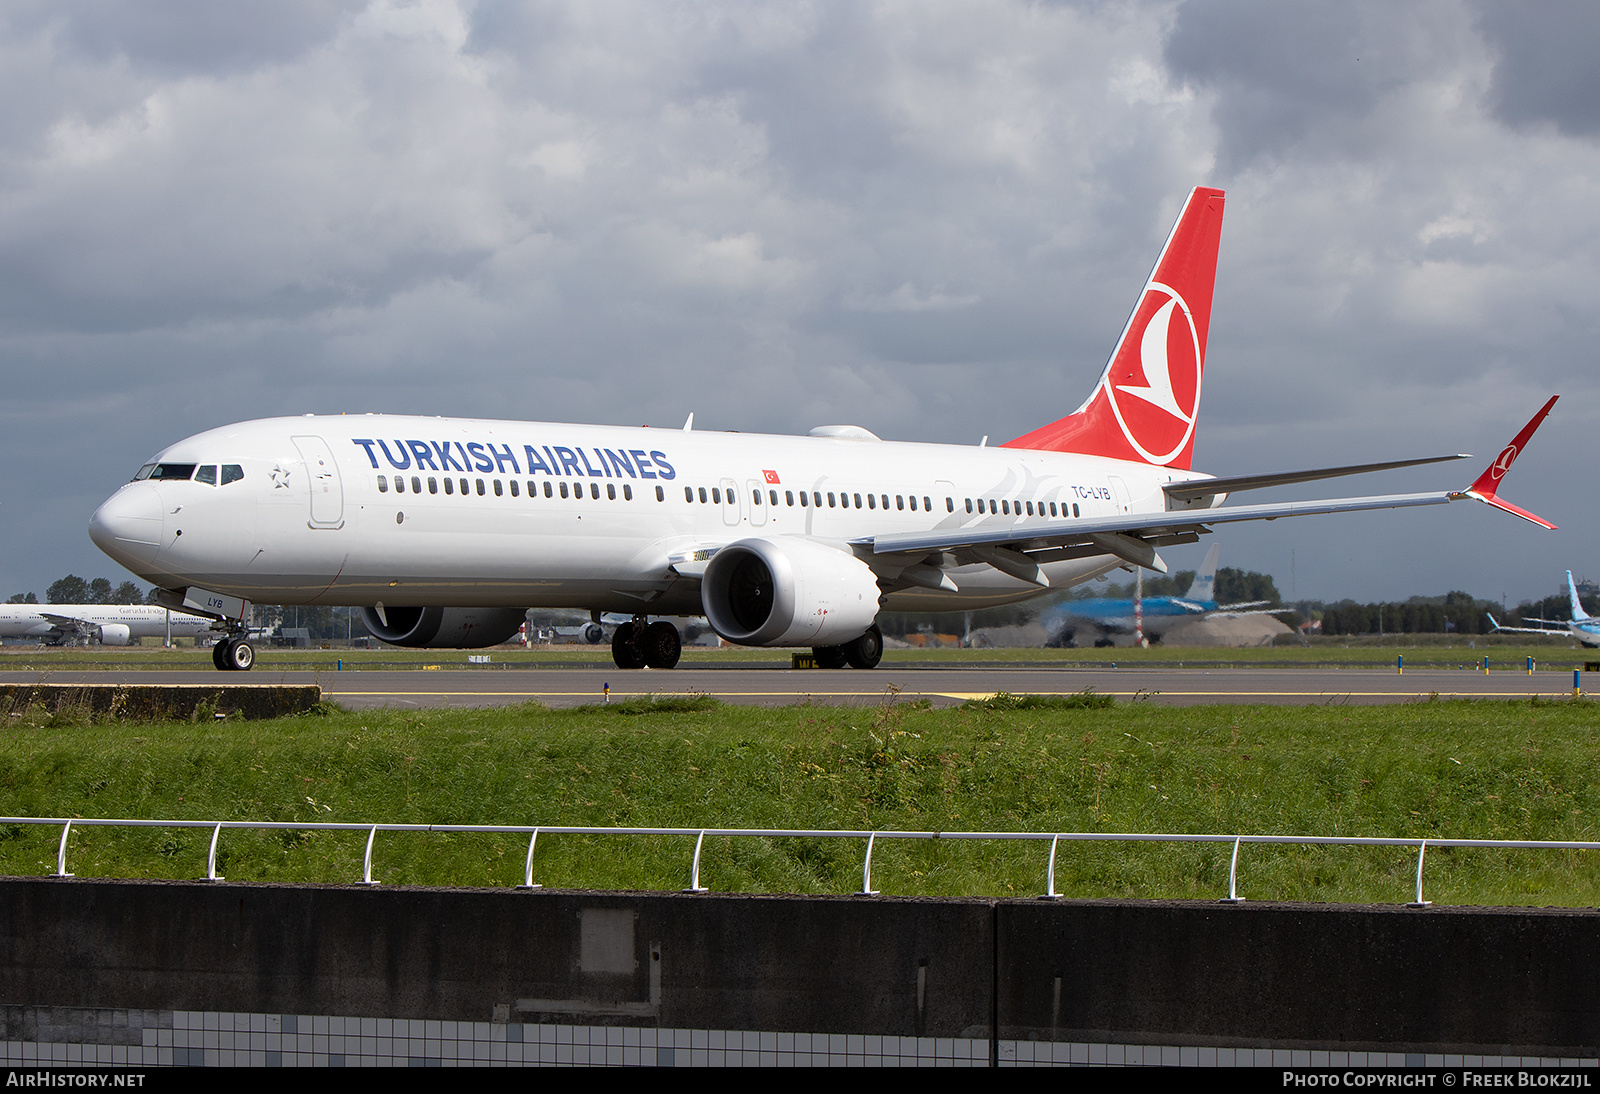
(788, 592)
(115, 634)
(445, 628)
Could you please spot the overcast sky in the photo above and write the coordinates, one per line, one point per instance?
(930, 219)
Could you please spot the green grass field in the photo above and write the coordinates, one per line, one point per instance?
(1445, 769)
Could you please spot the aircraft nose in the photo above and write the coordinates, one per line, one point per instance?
(127, 526)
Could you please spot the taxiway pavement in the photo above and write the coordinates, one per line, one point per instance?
(773, 686)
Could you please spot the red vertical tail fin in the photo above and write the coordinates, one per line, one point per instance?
(1148, 398)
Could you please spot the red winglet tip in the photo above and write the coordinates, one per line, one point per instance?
(1488, 483)
(1517, 510)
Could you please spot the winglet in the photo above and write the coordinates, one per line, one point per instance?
(1484, 489)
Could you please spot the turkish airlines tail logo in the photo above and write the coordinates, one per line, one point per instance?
(1158, 419)
(1148, 399)
(1157, 370)
(1508, 456)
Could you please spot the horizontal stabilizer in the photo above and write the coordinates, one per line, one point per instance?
(1200, 488)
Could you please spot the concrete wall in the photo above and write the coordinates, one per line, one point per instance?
(1179, 973)
(163, 701)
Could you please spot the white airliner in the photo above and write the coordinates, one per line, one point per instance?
(1582, 626)
(108, 624)
(444, 530)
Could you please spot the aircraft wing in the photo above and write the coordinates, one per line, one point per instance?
(1133, 538)
(1021, 549)
(67, 622)
(1558, 629)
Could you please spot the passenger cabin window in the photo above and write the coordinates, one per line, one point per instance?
(661, 495)
(627, 492)
(497, 490)
(399, 484)
(383, 484)
(449, 486)
(549, 490)
(594, 491)
(416, 484)
(433, 485)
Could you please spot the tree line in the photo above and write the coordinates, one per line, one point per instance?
(73, 589)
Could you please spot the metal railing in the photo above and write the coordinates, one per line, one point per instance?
(872, 837)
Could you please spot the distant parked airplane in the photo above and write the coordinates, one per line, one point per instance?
(109, 624)
(1582, 626)
(1115, 615)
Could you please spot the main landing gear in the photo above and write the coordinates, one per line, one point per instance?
(637, 645)
(233, 653)
(863, 653)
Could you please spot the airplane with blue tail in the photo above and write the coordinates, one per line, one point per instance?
(1115, 615)
(1582, 626)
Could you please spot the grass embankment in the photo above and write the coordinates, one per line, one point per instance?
(1486, 770)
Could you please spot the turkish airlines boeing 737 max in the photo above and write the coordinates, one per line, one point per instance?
(445, 530)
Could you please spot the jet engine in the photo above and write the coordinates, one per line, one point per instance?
(115, 634)
(788, 592)
(445, 628)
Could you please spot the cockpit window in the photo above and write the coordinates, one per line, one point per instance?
(170, 471)
(144, 472)
(231, 472)
(207, 474)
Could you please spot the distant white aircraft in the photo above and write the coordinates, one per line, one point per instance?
(445, 530)
(1582, 626)
(108, 624)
